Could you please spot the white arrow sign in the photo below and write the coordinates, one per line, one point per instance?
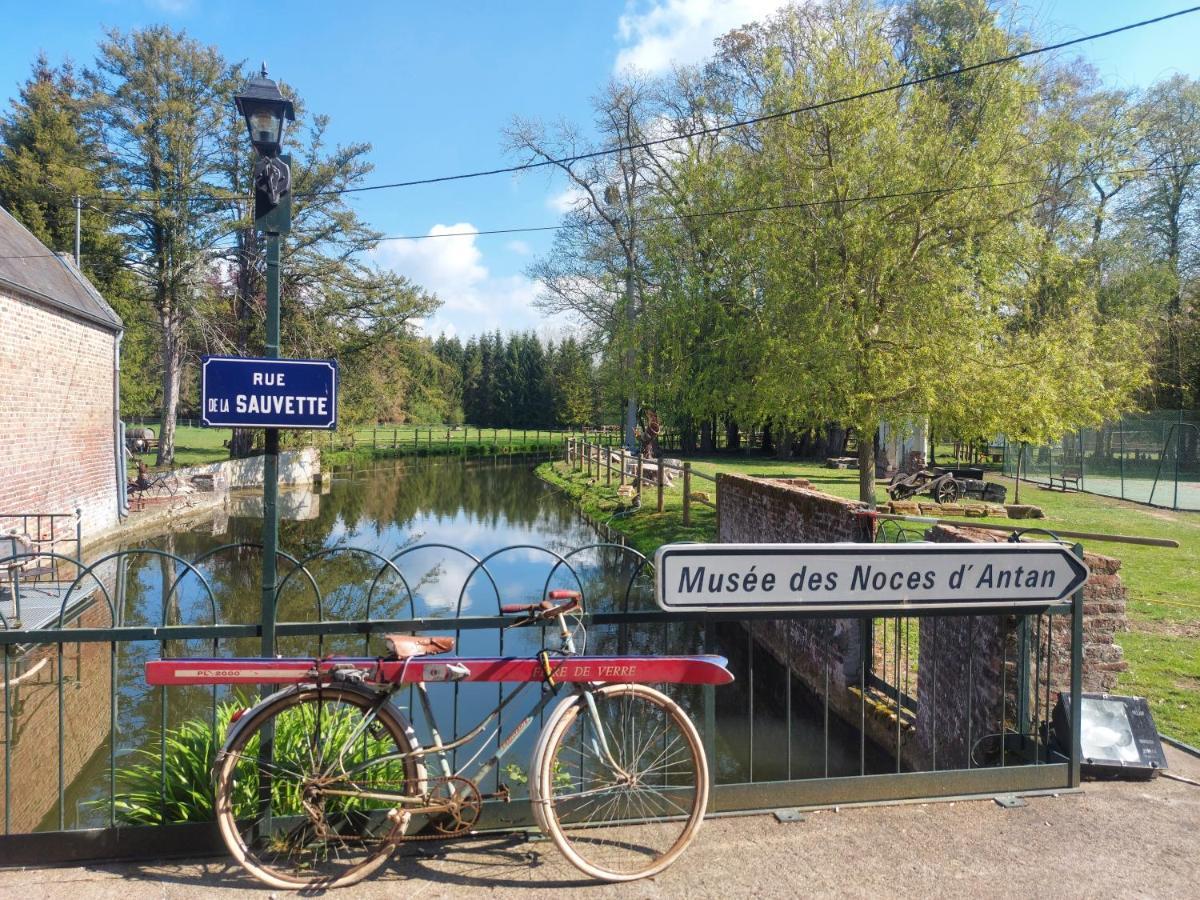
(863, 577)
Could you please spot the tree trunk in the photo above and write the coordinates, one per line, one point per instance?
(706, 436)
(866, 467)
(1017, 489)
(783, 443)
(242, 442)
(733, 437)
(172, 360)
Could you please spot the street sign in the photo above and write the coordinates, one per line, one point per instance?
(859, 578)
(249, 392)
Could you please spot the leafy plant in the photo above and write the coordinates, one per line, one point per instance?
(186, 794)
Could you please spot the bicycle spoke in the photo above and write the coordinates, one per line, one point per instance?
(275, 808)
(631, 820)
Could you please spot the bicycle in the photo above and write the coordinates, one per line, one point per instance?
(319, 782)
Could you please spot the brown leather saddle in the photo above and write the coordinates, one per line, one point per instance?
(406, 646)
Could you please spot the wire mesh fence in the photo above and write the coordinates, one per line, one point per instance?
(1151, 457)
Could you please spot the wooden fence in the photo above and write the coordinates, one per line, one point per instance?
(593, 458)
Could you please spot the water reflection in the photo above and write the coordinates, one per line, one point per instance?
(391, 543)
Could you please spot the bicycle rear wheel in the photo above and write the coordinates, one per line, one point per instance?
(272, 807)
(628, 811)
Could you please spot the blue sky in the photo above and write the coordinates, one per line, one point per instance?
(431, 85)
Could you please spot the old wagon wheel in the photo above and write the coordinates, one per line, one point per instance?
(946, 491)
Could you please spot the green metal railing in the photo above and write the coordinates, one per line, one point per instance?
(813, 718)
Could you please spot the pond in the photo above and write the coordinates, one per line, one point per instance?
(434, 519)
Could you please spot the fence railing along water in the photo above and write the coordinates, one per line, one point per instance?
(91, 754)
(1151, 458)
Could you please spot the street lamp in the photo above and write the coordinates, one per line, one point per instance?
(265, 110)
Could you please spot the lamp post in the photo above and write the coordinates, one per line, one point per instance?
(265, 110)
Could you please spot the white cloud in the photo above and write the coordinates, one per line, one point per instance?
(521, 248)
(569, 199)
(660, 33)
(474, 300)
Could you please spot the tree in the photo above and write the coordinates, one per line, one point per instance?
(595, 270)
(47, 159)
(1166, 211)
(869, 297)
(158, 106)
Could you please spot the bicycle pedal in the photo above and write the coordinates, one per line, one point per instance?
(502, 794)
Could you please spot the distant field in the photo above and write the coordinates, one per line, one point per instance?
(196, 445)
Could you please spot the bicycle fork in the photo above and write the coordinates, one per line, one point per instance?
(600, 747)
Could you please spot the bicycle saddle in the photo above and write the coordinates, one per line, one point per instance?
(405, 646)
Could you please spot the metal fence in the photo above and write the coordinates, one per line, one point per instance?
(1151, 458)
(821, 710)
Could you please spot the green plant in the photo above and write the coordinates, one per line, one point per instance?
(189, 754)
(186, 794)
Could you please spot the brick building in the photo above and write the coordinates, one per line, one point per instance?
(59, 401)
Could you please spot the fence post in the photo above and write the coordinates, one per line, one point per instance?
(687, 494)
(587, 453)
(621, 457)
(608, 465)
(659, 486)
(374, 438)
(639, 480)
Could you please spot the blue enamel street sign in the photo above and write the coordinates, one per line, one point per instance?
(248, 392)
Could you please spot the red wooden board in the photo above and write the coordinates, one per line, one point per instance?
(630, 669)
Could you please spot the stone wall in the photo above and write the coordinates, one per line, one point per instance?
(763, 511)
(295, 467)
(56, 415)
(963, 664)
(975, 657)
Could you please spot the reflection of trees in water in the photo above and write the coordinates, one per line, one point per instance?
(387, 510)
(490, 495)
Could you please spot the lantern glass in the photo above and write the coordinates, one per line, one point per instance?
(266, 127)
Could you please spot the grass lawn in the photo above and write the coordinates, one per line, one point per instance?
(197, 446)
(1162, 646)
(194, 446)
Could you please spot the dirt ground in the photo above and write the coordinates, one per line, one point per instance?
(1113, 840)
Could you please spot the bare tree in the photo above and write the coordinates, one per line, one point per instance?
(595, 270)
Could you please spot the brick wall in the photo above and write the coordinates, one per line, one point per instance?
(960, 661)
(971, 651)
(763, 511)
(56, 415)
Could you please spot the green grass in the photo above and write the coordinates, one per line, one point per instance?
(198, 446)
(1162, 645)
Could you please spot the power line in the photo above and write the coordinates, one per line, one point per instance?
(714, 129)
(800, 204)
(772, 207)
(812, 107)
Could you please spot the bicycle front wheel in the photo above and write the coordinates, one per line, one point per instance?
(621, 782)
(304, 799)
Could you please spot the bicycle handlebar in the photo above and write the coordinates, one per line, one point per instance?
(546, 609)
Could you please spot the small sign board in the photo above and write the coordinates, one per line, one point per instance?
(856, 578)
(251, 392)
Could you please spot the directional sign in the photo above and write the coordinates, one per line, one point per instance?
(863, 577)
(247, 392)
